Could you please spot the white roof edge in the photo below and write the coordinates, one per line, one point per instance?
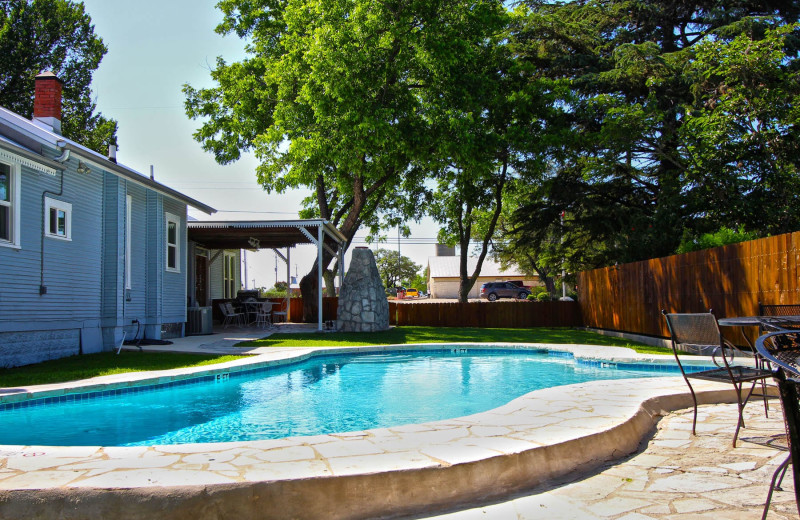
(329, 228)
(36, 132)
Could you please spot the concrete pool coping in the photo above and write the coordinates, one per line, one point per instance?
(535, 438)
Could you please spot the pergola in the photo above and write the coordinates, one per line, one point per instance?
(273, 234)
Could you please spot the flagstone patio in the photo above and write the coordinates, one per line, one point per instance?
(564, 451)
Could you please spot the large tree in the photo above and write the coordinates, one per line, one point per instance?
(58, 36)
(330, 99)
(625, 172)
(489, 117)
(395, 268)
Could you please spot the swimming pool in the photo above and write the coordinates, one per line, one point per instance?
(327, 394)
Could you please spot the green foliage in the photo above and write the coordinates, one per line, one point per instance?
(722, 237)
(341, 97)
(281, 286)
(679, 118)
(58, 36)
(394, 268)
(419, 281)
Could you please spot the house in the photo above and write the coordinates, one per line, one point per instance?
(89, 248)
(444, 276)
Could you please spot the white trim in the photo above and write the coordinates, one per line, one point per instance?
(33, 165)
(58, 205)
(169, 218)
(229, 274)
(128, 227)
(14, 204)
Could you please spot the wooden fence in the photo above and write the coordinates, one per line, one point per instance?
(512, 314)
(730, 280)
(330, 305)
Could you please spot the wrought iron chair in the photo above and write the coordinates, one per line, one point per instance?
(782, 350)
(699, 332)
(281, 313)
(264, 315)
(779, 317)
(230, 315)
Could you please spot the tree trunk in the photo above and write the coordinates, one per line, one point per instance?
(330, 278)
(309, 292)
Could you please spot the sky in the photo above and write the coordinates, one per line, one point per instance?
(154, 48)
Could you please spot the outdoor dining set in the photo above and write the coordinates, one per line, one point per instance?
(250, 313)
(774, 356)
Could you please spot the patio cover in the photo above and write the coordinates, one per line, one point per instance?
(272, 234)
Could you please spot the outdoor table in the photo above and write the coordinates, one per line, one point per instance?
(775, 322)
(251, 308)
(742, 322)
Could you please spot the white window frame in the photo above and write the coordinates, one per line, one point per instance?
(229, 274)
(58, 205)
(14, 204)
(128, 226)
(172, 219)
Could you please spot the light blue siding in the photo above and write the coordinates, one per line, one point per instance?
(85, 306)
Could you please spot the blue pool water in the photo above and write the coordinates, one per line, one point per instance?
(337, 393)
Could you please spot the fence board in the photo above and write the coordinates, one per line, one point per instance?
(501, 314)
(731, 280)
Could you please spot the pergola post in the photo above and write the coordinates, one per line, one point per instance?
(288, 283)
(320, 244)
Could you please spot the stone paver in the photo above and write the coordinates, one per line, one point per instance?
(532, 441)
(706, 479)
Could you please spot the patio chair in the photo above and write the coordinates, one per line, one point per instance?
(263, 316)
(782, 350)
(281, 312)
(779, 317)
(700, 332)
(230, 315)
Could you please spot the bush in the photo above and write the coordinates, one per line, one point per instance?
(719, 238)
(543, 297)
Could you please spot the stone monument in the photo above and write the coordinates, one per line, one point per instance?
(363, 306)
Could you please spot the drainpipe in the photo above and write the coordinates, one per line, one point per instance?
(63, 158)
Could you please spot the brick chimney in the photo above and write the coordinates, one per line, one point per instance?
(47, 100)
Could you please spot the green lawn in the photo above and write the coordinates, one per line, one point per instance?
(103, 364)
(401, 335)
(107, 363)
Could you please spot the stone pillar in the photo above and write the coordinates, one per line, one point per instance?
(363, 306)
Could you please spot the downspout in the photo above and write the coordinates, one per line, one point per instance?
(64, 157)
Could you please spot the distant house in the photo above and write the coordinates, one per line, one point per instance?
(88, 248)
(444, 276)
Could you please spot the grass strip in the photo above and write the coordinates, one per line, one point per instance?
(406, 335)
(103, 364)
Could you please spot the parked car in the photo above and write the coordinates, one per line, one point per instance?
(412, 293)
(494, 290)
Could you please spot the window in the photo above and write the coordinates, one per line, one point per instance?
(229, 275)
(173, 243)
(9, 205)
(128, 212)
(58, 219)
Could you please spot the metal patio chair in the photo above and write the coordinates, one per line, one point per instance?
(782, 350)
(264, 315)
(779, 317)
(230, 315)
(281, 314)
(700, 332)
